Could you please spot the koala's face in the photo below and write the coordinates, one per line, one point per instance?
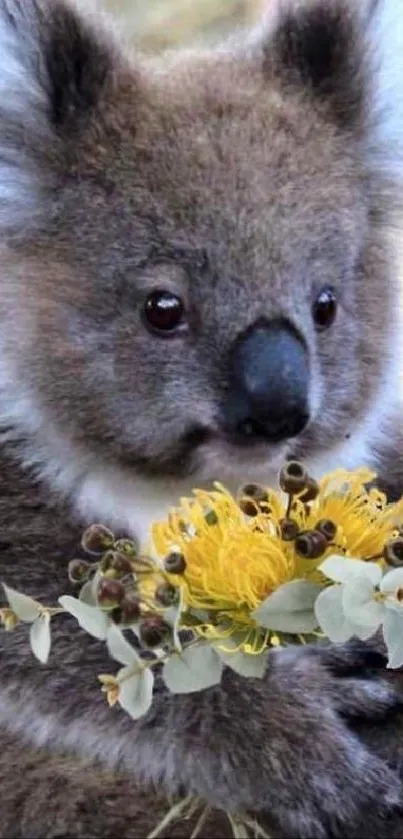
(201, 290)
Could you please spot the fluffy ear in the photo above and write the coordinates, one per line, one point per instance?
(347, 56)
(54, 67)
(319, 47)
(385, 45)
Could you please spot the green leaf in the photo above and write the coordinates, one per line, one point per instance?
(393, 635)
(136, 693)
(251, 666)
(120, 649)
(92, 620)
(196, 668)
(26, 608)
(289, 608)
(39, 637)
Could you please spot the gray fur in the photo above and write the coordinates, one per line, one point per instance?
(245, 180)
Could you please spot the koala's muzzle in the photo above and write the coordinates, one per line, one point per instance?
(269, 384)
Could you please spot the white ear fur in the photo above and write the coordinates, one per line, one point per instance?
(23, 120)
(54, 59)
(385, 45)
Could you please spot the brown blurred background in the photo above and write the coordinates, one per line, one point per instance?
(156, 24)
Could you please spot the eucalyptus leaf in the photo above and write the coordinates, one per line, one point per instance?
(173, 617)
(201, 615)
(39, 637)
(91, 619)
(136, 693)
(289, 608)
(119, 648)
(26, 608)
(88, 592)
(393, 635)
(251, 666)
(196, 668)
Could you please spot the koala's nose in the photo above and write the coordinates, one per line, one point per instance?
(269, 382)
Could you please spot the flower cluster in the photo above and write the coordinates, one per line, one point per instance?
(224, 578)
(363, 600)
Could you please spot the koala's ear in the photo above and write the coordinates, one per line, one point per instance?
(322, 47)
(347, 56)
(54, 68)
(319, 46)
(52, 56)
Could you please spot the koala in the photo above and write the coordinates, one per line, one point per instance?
(199, 279)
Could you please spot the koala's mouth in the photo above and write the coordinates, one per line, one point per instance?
(205, 447)
(201, 451)
(199, 438)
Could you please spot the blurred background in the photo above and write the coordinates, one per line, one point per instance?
(157, 24)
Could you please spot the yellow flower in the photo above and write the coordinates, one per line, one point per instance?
(111, 687)
(232, 562)
(9, 619)
(364, 519)
(235, 561)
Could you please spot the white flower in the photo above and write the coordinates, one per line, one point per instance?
(392, 587)
(330, 610)
(362, 601)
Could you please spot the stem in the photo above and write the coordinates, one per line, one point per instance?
(171, 816)
(238, 827)
(164, 657)
(289, 505)
(201, 822)
(194, 807)
(255, 826)
(52, 611)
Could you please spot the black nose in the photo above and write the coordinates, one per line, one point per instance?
(269, 381)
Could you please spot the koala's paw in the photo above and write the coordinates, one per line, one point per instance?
(327, 783)
(341, 791)
(353, 675)
(285, 747)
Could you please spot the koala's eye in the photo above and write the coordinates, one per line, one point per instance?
(325, 308)
(163, 311)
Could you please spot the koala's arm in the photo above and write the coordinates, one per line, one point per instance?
(284, 746)
(282, 749)
(53, 796)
